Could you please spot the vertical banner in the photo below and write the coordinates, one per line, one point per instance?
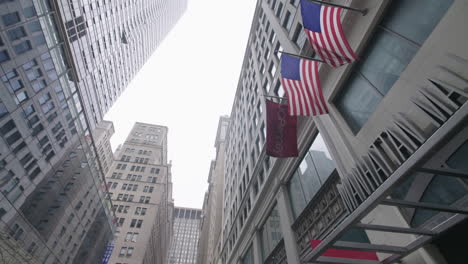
(281, 131)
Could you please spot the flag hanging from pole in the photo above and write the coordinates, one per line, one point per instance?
(322, 25)
(281, 132)
(301, 83)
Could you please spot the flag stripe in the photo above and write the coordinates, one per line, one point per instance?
(327, 30)
(318, 87)
(342, 37)
(310, 91)
(331, 32)
(307, 87)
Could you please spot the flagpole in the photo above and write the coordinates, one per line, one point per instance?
(300, 56)
(362, 11)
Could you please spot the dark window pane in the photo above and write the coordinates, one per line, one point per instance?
(13, 138)
(3, 110)
(39, 40)
(4, 56)
(34, 26)
(459, 159)
(11, 18)
(386, 58)
(7, 127)
(16, 33)
(357, 102)
(14, 85)
(442, 190)
(415, 19)
(298, 200)
(29, 11)
(22, 47)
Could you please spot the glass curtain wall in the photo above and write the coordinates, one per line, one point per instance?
(271, 233)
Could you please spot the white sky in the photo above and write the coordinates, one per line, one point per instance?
(186, 85)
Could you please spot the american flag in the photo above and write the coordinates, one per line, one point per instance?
(322, 25)
(302, 86)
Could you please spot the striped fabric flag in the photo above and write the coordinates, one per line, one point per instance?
(302, 86)
(322, 25)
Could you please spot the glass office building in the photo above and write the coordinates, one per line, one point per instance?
(185, 236)
(62, 66)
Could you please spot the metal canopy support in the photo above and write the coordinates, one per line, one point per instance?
(378, 196)
(422, 240)
(395, 229)
(443, 173)
(422, 205)
(369, 247)
(334, 260)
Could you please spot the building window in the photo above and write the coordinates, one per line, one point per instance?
(22, 47)
(29, 11)
(248, 257)
(4, 56)
(16, 33)
(129, 252)
(396, 41)
(315, 168)
(123, 252)
(271, 233)
(11, 18)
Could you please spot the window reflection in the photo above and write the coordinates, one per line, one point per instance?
(314, 170)
(271, 233)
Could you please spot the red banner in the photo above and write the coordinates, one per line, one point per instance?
(345, 253)
(281, 131)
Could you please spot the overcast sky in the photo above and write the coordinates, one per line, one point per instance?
(186, 85)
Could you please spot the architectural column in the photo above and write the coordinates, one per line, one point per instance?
(257, 248)
(286, 220)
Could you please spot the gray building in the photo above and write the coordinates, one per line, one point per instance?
(384, 171)
(140, 187)
(209, 244)
(186, 234)
(62, 66)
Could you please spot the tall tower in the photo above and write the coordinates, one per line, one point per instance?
(62, 66)
(186, 233)
(109, 41)
(141, 191)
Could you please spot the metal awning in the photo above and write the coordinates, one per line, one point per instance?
(381, 197)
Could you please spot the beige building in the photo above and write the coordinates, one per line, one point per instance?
(209, 243)
(139, 183)
(385, 171)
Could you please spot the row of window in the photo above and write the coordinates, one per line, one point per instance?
(141, 152)
(125, 208)
(129, 198)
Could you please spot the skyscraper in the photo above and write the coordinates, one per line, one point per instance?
(210, 241)
(140, 187)
(384, 172)
(186, 233)
(62, 66)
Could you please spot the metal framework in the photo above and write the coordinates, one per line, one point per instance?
(414, 164)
